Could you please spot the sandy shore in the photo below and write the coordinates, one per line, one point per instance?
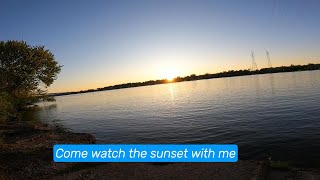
(26, 152)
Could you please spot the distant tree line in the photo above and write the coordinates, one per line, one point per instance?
(194, 77)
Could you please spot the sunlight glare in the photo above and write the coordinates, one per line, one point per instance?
(169, 74)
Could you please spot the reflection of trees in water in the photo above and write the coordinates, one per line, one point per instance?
(33, 113)
(45, 106)
(45, 113)
(49, 107)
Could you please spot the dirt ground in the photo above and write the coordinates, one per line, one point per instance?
(26, 153)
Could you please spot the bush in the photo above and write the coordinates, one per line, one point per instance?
(7, 110)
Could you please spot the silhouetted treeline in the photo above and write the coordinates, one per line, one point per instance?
(193, 77)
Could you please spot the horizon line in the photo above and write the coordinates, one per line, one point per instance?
(182, 79)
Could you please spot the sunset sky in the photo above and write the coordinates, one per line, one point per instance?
(102, 43)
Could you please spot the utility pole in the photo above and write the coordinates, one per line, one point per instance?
(268, 59)
(254, 66)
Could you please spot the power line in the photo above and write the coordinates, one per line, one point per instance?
(254, 66)
(268, 59)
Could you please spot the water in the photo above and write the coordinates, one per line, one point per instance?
(271, 115)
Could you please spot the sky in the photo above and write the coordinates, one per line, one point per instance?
(102, 43)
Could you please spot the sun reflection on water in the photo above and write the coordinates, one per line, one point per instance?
(171, 89)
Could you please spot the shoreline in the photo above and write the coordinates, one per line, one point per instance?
(26, 149)
(193, 77)
(26, 152)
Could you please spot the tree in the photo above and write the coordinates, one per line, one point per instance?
(26, 71)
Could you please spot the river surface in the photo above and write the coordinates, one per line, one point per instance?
(273, 116)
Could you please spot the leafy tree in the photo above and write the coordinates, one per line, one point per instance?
(26, 72)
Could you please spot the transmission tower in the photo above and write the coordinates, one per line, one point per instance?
(268, 59)
(254, 66)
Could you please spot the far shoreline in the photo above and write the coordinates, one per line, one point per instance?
(193, 77)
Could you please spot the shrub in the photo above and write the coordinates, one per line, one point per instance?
(7, 110)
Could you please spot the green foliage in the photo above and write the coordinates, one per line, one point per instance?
(25, 72)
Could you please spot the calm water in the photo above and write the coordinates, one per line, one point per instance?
(272, 115)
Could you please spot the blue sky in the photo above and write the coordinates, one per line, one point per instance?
(103, 43)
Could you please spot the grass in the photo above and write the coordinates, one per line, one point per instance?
(279, 165)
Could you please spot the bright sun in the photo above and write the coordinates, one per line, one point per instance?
(169, 74)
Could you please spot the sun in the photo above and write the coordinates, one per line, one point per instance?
(169, 74)
(170, 77)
